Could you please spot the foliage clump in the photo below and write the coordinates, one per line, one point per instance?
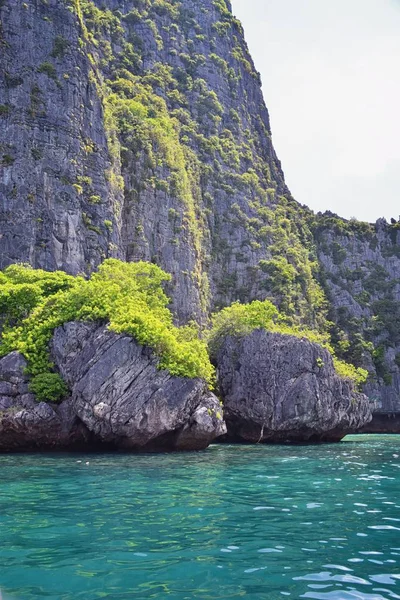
(129, 297)
(241, 319)
(48, 69)
(48, 386)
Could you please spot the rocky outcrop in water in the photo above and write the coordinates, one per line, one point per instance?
(26, 424)
(279, 388)
(119, 399)
(121, 396)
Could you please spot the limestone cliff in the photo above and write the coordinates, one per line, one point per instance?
(138, 129)
(361, 275)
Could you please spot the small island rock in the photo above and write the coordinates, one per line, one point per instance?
(119, 399)
(279, 388)
(125, 400)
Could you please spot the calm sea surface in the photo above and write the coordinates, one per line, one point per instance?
(248, 522)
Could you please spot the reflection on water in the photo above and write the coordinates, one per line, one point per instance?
(248, 522)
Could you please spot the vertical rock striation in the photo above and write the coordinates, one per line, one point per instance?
(54, 190)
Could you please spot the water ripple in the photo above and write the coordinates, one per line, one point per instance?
(249, 521)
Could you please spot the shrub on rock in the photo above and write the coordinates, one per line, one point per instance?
(129, 296)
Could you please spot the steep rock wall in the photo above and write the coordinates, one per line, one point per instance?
(55, 196)
(361, 275)
(138, 129)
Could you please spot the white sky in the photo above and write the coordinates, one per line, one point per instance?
(331, 81)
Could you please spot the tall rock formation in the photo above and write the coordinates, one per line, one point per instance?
(361, 275)
(137, 129)
(281, 388)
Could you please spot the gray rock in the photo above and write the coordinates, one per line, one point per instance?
(119, 398)
(124, 400)
(12, 367)
(26, 424)
(205, 424)
(7, 389)
(280, 388)
(41, 427)
(5, 402)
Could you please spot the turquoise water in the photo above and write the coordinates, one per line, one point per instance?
(254, 522)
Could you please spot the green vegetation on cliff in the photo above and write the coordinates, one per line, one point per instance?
(181, 124)
(163, 153)
(242, 319)
(128, 296)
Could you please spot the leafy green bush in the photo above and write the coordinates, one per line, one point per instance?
(128, 296)
(348, 371)
(59, 47)
(23, 288)
(48, 387)
(241, 319)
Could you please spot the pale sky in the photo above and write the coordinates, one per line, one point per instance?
(331, 81)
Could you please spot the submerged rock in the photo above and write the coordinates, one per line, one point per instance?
(279, 388)
(124, 400)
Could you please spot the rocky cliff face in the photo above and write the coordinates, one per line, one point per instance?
(137, 129)
(361, 276)
(54, 185)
